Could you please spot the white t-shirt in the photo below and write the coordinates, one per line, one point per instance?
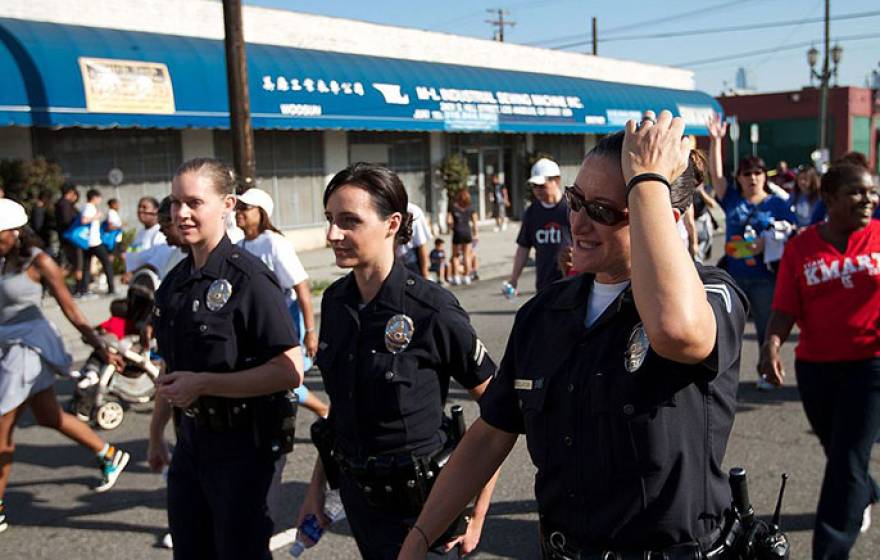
(278, 254)
(89, 212)
(147, 237)
(233, 232)
(601, 296)
(421, 233)
(113, 218)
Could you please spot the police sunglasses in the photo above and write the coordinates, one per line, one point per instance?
(596, 211)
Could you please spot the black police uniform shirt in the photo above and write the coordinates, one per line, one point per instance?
(626, 460)
(382, 403)
(250, 329)
(547, 230)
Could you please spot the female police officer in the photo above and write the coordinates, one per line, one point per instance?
(223, 329)
(389, 343)
(623, 379)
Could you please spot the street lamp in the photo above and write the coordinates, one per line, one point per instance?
(824, 76)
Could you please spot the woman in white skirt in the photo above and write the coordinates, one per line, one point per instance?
(31, 349)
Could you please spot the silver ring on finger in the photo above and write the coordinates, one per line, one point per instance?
(645, 121)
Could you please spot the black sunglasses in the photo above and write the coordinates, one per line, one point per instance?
(241, 207)
(596, 211)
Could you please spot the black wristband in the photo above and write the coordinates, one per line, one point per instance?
(642, 177)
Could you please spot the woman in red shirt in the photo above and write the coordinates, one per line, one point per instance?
(829, 284)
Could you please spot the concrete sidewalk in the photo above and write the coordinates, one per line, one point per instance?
(495, 251)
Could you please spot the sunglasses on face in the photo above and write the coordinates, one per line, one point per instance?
(596, 211)
(242, 207)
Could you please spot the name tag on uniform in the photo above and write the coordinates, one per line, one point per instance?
(528, 384)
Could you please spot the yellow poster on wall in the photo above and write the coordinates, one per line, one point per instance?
(126, 86)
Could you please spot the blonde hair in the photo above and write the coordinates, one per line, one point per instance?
(222, 177)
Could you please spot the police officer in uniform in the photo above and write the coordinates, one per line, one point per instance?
(623, 378)
(230, 351)
(389, 343)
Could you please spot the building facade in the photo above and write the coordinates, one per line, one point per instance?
(788, 123)
(140, 86)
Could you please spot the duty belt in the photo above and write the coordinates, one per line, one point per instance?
(556, 546)
(220, 413)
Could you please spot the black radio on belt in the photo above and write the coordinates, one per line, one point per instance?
(747, 537)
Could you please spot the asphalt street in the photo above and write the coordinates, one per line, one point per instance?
(54, 514)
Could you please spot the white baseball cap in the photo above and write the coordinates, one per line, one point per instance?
(259, 198)
(542, 169)
(12, 214)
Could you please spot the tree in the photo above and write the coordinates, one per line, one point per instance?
(454, 173)
(24, 179)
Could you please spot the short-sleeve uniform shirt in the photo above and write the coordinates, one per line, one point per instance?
(385, 403)
(547, 230)
(251, 327)
(628, 445)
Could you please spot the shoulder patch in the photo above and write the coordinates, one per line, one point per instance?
(722, 291)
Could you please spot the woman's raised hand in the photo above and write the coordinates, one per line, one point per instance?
(655, 147)
(717, 128)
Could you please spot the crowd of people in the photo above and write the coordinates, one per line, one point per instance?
(628, 336)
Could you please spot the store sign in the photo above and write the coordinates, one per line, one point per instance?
(426, 106)
(126, 86)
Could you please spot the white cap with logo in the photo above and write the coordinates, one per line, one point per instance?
(12, 214)
(259, 198)
(542, 169)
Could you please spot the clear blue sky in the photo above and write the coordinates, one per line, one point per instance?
(561, 22)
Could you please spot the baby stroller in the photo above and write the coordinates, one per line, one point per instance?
(101, 390)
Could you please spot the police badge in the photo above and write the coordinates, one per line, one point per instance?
(218, 294)
(636, 349)
(398, 333)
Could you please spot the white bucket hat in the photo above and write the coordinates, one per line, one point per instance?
(12, 214)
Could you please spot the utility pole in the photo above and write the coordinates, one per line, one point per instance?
(595, 38)
(823, 99)
(239, 97)
(500, 23)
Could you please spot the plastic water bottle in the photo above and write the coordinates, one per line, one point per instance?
(508, 290)
(311, 528)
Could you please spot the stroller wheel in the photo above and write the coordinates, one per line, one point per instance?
(109, 415)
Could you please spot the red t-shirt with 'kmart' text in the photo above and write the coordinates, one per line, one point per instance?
(834, 297)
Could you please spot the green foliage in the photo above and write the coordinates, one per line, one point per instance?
(24, 179)
(454, 173)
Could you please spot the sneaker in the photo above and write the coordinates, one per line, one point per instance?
(167, 542)
(4, 525)
(764, 385)
(866, 520)
(112, 465)
(466, 280)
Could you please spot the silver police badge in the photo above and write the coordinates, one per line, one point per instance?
(398, 333)
(218, 294)
(636, 349)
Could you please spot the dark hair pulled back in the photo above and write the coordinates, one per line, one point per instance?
(222, 177)
(682, 191)
(385, 188)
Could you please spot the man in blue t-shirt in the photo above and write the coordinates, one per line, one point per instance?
(544, 226)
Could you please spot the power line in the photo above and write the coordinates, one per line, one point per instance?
(758, 52)
(679, 16)
(745, 27)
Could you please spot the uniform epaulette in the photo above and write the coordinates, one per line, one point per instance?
(427, 293)
(242, 260)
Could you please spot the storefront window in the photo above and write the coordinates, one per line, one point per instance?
(86, 155)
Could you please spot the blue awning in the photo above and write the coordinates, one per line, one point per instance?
(63, 75)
